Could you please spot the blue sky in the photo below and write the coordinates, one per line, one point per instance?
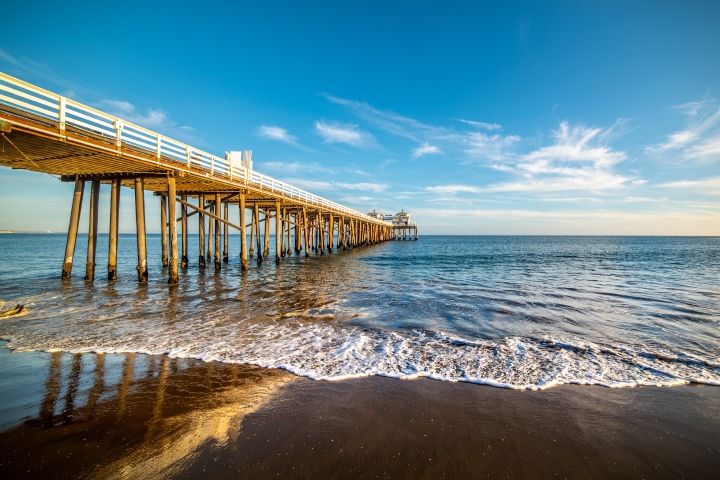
(476, 117)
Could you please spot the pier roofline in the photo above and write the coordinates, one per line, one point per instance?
(48, 133)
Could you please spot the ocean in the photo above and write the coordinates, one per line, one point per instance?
(521, 312)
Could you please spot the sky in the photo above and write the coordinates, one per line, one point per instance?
(537, 118)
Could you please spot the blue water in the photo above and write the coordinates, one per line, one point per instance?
(510, 311)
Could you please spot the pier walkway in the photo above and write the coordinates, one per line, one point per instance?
(48, 133)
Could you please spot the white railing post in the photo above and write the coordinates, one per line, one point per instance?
(62, 107)
(157, 153)
(118, 133)
(188, 155)
(212, 165)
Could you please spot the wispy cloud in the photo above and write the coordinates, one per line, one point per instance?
(295, 167)
(425, 149)
(576, 160)
(363, 186)
(478, 145)
(483, 125)
(347, 133)
(333, 185)
(705, 185)
(272, 132)
(155, 119)
(471, 145)
(700, 140)
(454, 189)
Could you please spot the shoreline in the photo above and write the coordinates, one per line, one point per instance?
(154, 415)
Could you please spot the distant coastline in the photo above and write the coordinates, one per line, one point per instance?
(26, 232)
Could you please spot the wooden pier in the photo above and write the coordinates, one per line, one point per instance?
(45, 132)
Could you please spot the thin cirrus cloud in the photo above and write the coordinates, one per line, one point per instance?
(483, 125)
(333, 185)
(705, 185)
(471, 145)
(576, 160)
(295, 167)
(155, 118)
(272, 132)
(425, 149)
(700, 140)
(347, 133)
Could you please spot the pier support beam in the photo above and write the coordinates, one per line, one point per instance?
(183, 209)
(331, 233)
(321, 233)
(201, 231)
(278, 232)
(298, 243)
(341, 229)
(218, 212)
(226, 216)
(164, 229)
(283, 223)
(172, 205)
(210, 233)
(92, 230)
(252, 231)
(257, 229)
(305, 231)
(243, 234)
(113, 230)
(73, 228)
(287, 224)
(140, 227)
(266, 237)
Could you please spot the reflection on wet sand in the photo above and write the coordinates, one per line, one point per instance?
(132, 416)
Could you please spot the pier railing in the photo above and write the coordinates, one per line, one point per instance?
(67, 114)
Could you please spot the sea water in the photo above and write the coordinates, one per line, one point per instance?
(522, 312)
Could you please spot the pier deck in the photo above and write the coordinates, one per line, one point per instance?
(48, 133)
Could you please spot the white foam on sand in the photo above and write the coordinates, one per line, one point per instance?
(329, 351)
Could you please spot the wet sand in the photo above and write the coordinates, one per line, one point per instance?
(138, 416)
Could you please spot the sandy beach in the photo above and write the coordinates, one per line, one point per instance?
(140, 416)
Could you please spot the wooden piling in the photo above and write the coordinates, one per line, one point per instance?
(172, 205)
(140, 228)
(283, 223)
(298, 239)
(226, 216)
(305, 230)
(184, 225)
(164, 229)
(287, 224)
(341, 234)
(201, 231)
(252, 232)
(73, 228)
(259, 240)
(113, 230)
(266, 236)
(92, 230)
(210, 233)
(218, 212)
(278, 232)
(321, 233)
(243, 233)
